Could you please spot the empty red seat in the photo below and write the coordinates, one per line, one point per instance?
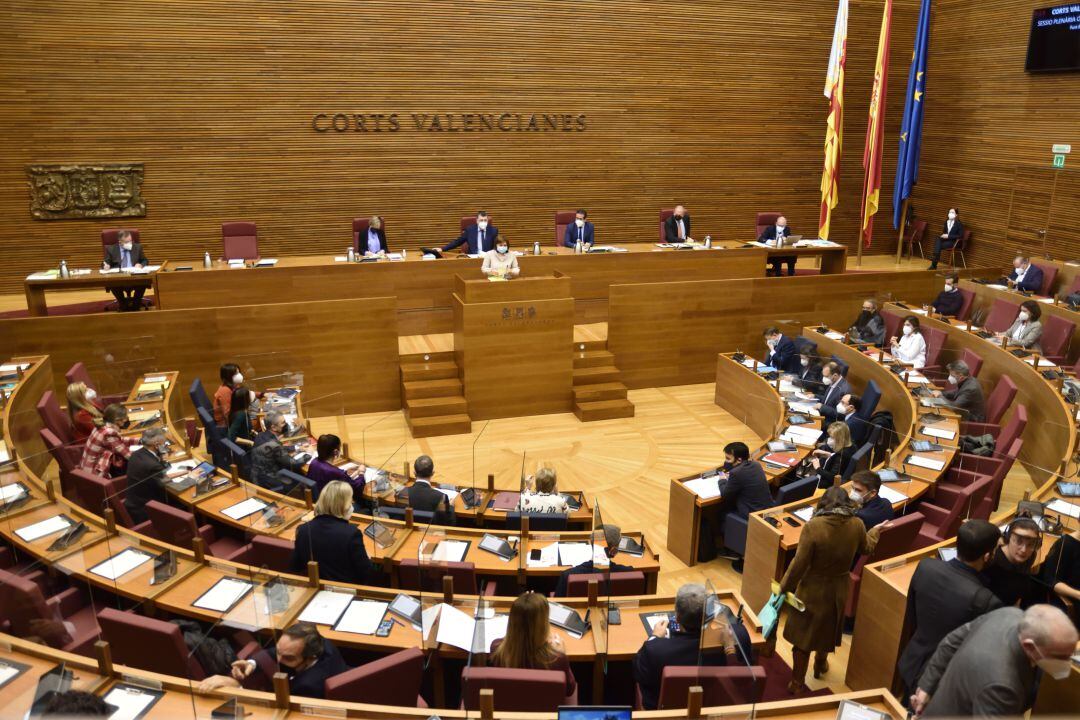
(265, 551)
(723, 685)
(1056, 336)
(64, 621)
(97, 493)
(564, 218)
(941, 523)
(1002, 314)
(148, 644)
(969, 468)
(896, 539)
(177, 527)
(54, 418)
(392, 680)
(622, 583)
(67, 458)
(515, 690)
(239, 241)
(997, 403)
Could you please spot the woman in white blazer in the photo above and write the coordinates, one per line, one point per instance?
(910, 347)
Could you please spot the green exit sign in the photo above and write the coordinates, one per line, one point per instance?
(1059, 161)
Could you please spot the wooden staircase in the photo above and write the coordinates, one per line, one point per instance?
(434, 400)
(598, 392)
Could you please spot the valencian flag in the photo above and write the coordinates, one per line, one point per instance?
(875, 130)
(907, 165)
(834, 91)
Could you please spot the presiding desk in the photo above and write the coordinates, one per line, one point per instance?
(36, 288)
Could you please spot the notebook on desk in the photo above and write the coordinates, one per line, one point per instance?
(506, 501)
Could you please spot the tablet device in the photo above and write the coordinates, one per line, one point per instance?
(407, 608)
(630, 546)
(567, 618)
(497, 546)
(70, 536)
(380, 534)
(164, 567)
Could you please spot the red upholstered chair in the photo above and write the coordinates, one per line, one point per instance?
(1074, 287)
(148, 644)
(935, 341)
(265, 551)
(55, 419)
(79, 373)
(965, 306)
(897, 539)
(939, 373)
(1002, 314)
(515, 690)
(943, 522)
(961, 245)
(970, 468)
(892, 324)
(1056, 336)
(67, 458)
(564, 218)
(111, 236)
(392, 680)
(622, 583)
(97, 493)
(177, 527)
(193, 431)
(428, 578)
(1001, 398)
(359, 229)
(1050, 273)
(467, 220)
(725, 685)
(665, 213)
(239, 241)
(764, 220)
(63, 621)
(914, 235)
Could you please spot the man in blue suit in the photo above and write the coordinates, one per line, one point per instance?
(581, 229)
(1025, 276)
(834, 386)
(478, 238)
(859, 428)
(783, 355)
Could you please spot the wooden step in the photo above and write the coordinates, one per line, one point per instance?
(432, 406)
(593, 358)
(440, 425)
(603, 410)
(600, 391)
(413, 358)
(429, 371)
(590, 345)
(595, 375)
(432, 388)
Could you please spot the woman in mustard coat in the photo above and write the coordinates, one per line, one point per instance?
(819, 576)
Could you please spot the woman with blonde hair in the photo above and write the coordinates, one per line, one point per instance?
(832, 456)
(84, 408)
(331, 541)
(540, 495)
(373, 242)
(529, 644)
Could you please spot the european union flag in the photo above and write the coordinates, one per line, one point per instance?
(907, 166)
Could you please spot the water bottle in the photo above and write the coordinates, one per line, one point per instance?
(206, 261)
(536, 248)
(350, 254)
(708, 242)
(577, 247)
(64, 272)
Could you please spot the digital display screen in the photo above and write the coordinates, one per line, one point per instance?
(1054, 43)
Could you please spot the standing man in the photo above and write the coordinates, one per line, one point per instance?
(774, 236)
(126, 254)
(581, 230)
(677, 227)
(478, 238)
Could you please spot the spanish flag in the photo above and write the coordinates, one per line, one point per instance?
(834, 92)
(875, 130)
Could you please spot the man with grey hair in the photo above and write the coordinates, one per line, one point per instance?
(269, 456)
(988, 667)
(612, 537)
(966, 393)
(146, 476)
(681, 645)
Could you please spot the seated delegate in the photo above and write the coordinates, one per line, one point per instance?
(1025, 276)
(873, 509)
(951, 232)
(477, 238)
(869, 326)
(581, 230)
(147, 474)
(834, 386)
(782, 353)
(1027, 329)
(776, 236)
(831, 457)
(910, 347)
(744, 488)
(330, 540)
(126, 254)
(1009, 574)
(84, 408)
(423, 496)
(612, 537)
(965, 393)
(529, 643)
(677, 226)
(809, 375)
(269, 456)
(106, 452)
(540, 494)
(322, 470)
(950, 300)
(500, 262)
(373, 243)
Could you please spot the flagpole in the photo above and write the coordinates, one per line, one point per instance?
(858, 256)
(903, 222)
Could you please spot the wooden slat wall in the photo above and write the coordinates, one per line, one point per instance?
(989, 127)
(717, 105)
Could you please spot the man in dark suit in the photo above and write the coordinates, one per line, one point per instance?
(422, 496)
(146, 474)
(581, 230)
(477, 238)
(951, 233)
(782, 355)
(950, 300)
(774, 236)
(873, 509)
(677, 227)
(966, 395)
(942, 596)
(612, 536)
(126, 254)
(834, 386)
(1025, 276)
(858, 427)
(680, 647)
(746, 489)
(269, 455)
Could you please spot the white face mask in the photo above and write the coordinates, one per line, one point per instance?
(252, 397)
(1025, 316)
(952, 216)
(771, 343)
(948, 287)
(579, 223)
(1057, 668)
(91, 393)
(856, 497)
(780, 228)
(827, 380)
(237, 379)
(502, 249)
(831, 443)
(841, 408)
(908, 329)
(482, 224)
(805, 362)
(126, 246)
(953, 380)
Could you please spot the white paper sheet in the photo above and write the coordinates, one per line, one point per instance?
(156, 379)
(805, 513)
(38, 530)
(222, 596)
(833, 335)
(1047, 300)
(655, 620)
(326, 607)
(928, 463)
(10, 492)
(9, 368)
(997, 287)
(1065, 508)
(6, 673)
(549, 557)
(341, 258)
(892, 495)
(939, 433)
(488, 631)
(267, 262)
(450, 494)
(918, 311)
(573, 554)
(121, 563)
(362, 617)
(705, 488)
(455, 628)
(1043, 362)
(914, 377)
(242, 509)
(129, 701)
(805, 408)
(428, 618)
(5, 456)
(450, 551)
(812, 433)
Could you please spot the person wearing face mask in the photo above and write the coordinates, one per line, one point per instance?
(373, 243)
(500, 262)
(873, 509)
(989, 667)
(240, 427)
(146, 474)
(677, 226)
(126, 254)
(478, 238)
(831, 457)
(106, 452)
(943, 595)
(950, 300)
(782, 355)
(809, 375)
(1025, 276)
(951, 233)
(910, 347)
(231, 378)
(322, 470)
(581, 230)
(869, 326)
(1009, 574)
(269, 455)
(966, 393)
(847, 410)
(84, 408)
(1026, 329)
(774, 236)
(834, 386)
